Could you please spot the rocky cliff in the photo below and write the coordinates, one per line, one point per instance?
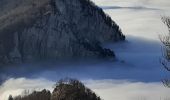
(35, 30)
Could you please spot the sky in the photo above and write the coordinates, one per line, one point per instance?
(137, 73)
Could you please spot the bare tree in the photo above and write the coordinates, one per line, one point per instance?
(165, 39)
(65, 89)
(72, 89)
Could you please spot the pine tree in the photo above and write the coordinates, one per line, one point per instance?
(10, 97)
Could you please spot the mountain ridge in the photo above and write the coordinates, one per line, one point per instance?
(55, 29)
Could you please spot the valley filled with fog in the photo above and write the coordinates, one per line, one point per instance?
(136, 73)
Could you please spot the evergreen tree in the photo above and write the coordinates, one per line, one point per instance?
(166, 54)
(10, 97)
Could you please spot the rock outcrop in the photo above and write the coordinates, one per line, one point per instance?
(35, 30)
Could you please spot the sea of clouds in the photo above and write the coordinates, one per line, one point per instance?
(138, 72)
(141, 18)
(106, 89)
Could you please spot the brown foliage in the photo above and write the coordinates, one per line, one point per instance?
(70, 89)
(65, 89)
(43, 95)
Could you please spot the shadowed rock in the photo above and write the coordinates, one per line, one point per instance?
(37, 30)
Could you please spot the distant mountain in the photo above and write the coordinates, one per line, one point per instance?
(36, 30)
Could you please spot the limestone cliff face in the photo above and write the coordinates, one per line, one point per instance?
(36, 30)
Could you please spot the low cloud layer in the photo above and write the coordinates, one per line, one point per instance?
(138, 57)
(126, 90)
(147, 3)
(107, 89)
(131, 8)
(141, 18)
(17, 86)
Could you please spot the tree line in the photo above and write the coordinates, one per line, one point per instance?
(65, 89)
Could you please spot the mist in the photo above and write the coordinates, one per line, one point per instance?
(107, 89)
(136, 73)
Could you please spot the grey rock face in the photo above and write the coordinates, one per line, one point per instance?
(55, 29)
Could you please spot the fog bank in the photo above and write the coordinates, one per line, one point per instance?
(107, 89)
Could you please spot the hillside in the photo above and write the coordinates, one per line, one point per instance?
(67, 89)
(35, 30)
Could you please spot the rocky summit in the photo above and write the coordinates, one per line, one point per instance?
(36, 30)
